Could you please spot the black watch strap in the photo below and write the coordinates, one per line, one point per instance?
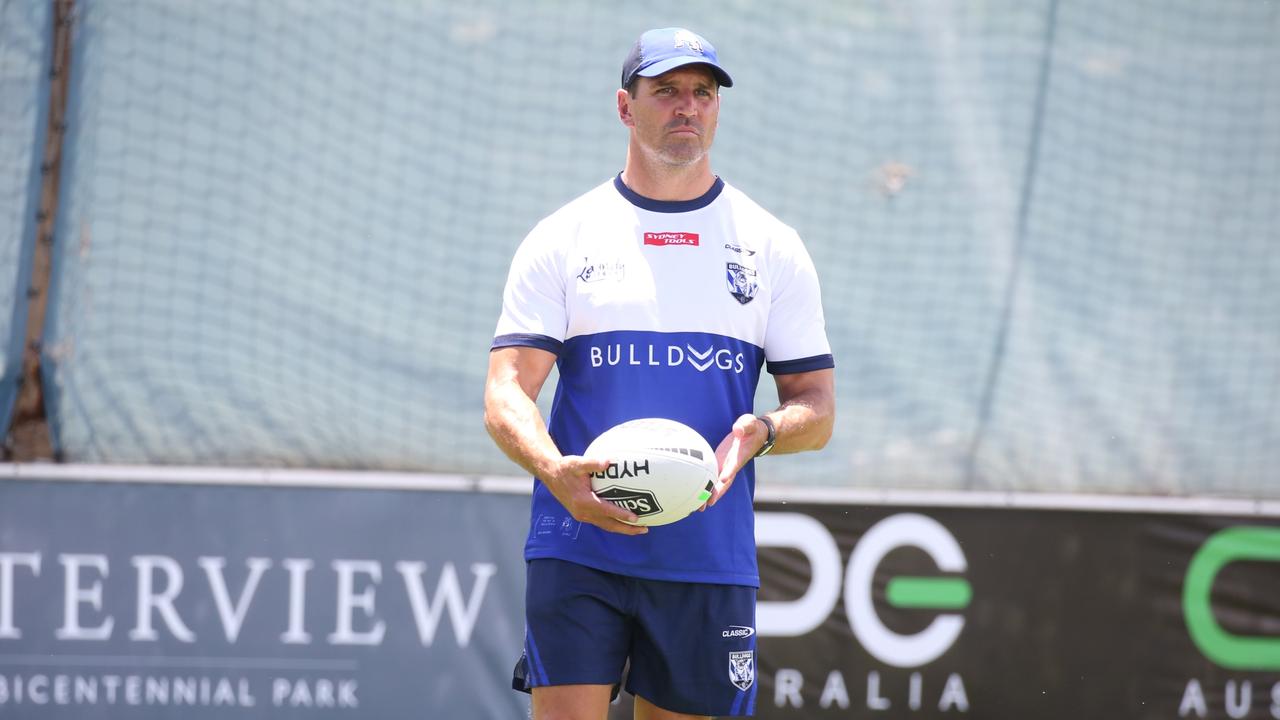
(771, 439)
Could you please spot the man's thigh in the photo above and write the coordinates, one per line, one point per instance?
(577, 629)
(694, 648)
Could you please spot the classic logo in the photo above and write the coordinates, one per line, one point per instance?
(640, 502)
(739, 249)
(671, 238)
(737, 631)
(742, 282)
(742, 669)
(591, 272)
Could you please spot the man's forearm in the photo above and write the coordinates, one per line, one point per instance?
(800, 426)
(806, 415)
(516, 425)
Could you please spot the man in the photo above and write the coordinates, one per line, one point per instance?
(660, 293)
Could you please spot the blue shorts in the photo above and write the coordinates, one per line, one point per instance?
(692, 646)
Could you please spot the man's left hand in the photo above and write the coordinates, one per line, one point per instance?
(736, 450)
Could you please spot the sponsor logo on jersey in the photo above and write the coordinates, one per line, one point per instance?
(737, 631)
(640, 502)
(545, 525)
(569, 527)
(702, 359)
(739, 249)
(742, 282)
(663, 239)
(591, 272)
(742, 669)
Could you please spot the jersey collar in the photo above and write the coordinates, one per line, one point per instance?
(668, 206)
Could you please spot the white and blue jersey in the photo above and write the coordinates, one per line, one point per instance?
(661, 309)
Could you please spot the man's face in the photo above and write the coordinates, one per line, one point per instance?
(673, 115)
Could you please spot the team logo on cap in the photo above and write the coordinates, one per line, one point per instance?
(742, 669)
(686, 39)
(742, 282)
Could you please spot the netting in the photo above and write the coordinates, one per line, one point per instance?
(1047, 231)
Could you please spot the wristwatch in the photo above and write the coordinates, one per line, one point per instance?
(769, 441)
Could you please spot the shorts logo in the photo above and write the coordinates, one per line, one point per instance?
(742, 282)
(742, 669)
(671, 238)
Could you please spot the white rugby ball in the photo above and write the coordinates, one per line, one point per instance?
(660, 469)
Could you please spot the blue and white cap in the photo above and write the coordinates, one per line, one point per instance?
(658, 51)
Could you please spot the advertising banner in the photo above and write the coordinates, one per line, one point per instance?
(145, 600)
(141, 601)
(900, 612)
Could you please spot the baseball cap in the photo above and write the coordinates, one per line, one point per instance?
(658, 51)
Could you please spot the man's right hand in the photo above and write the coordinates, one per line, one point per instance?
(570, 482)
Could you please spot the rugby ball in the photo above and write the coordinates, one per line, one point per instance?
(659, 469)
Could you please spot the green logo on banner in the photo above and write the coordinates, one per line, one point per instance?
(1224, 648)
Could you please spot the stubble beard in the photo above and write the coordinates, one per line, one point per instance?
(680, 154)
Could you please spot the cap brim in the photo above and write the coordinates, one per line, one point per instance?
(670, 64)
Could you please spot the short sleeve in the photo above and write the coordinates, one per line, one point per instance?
(533, 303)
(795, 337)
